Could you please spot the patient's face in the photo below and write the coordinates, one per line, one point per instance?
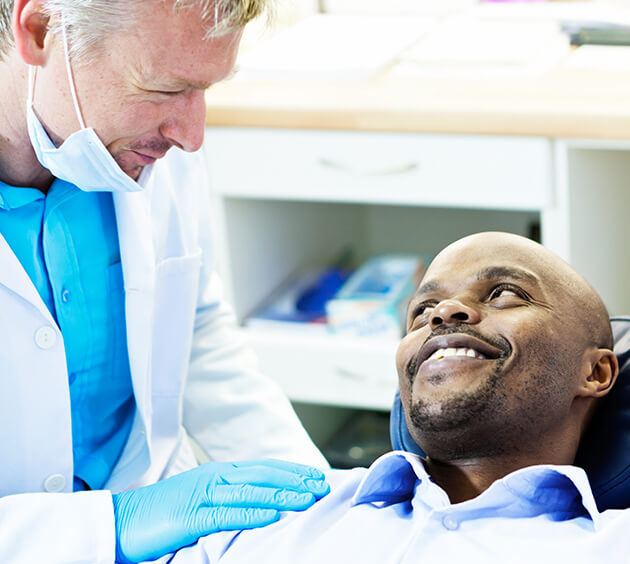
(491, 345)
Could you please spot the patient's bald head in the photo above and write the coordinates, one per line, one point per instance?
(506, 346)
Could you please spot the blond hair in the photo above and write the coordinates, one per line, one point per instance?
(89, 21)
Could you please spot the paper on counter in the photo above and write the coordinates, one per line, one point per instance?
(467, 47)
(335, 46)
(600, 58)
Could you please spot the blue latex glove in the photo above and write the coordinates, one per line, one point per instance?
(217, 496)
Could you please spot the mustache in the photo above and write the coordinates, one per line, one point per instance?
(461, 329)
(154, 146)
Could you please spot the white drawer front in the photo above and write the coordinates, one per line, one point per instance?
(390, 168)
(329, 370)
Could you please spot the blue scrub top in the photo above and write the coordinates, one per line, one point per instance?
(67, 243)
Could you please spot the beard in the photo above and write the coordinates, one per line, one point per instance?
(443, 427)
(461, 408)
(492, 417)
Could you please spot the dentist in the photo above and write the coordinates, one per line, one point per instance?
(115, 344)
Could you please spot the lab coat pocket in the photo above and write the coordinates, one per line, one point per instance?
(176, 288)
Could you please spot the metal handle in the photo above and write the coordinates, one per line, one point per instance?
(400, 168)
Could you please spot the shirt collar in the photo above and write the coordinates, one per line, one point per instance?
(391, 478)
(12, 197)
(561, 491)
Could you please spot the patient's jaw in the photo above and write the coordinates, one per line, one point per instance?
(499, 365)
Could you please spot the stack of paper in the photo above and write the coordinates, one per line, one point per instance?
(336, 46)
(468, 47)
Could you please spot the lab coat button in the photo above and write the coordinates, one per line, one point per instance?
(450, 523)
(54, 483)
(65, 296)
(45, 337)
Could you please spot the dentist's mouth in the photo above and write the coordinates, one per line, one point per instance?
(145, 159)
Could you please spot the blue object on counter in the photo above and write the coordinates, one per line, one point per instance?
(313, 299)
(301, 300)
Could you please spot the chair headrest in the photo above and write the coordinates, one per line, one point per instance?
(604, 451)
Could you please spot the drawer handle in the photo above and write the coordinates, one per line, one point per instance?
(351, 375)
(401, 168)
(347, 374)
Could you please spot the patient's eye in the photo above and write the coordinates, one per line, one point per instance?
(420, 314)
(507, 293)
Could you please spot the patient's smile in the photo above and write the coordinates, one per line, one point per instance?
(440, 354)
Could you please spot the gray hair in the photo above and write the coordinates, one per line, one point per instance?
(89, 21)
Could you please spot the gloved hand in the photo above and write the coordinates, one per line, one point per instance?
(216, 496)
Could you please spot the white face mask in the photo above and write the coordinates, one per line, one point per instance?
(82, 159)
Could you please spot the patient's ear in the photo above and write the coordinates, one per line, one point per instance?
(600, 372)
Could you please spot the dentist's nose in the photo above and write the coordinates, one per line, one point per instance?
(453, 312)
(185, 127)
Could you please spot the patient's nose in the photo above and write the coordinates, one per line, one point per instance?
(452, 312)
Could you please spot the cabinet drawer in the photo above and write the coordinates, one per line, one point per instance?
(466, 171)
(318, 369)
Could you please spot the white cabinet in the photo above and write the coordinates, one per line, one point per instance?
(285, 199)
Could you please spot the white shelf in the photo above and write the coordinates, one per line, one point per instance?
(329, 369)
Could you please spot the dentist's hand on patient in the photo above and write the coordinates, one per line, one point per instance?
(217, 496)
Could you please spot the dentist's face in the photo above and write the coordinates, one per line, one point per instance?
(144, 90)
(492, 346)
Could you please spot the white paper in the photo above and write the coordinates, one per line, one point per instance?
(600, 58)
(334, 45)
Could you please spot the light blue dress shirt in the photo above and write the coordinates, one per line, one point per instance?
(395, 513)
(67, 243)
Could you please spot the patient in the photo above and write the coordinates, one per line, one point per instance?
(507, 351)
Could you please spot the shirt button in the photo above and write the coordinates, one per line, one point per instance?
(450, 523)
(65, 296)
(54, 483)
(45, 337)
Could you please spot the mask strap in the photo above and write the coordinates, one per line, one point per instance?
(32, 69)
(73, 91)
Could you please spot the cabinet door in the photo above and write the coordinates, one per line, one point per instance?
(460, 171)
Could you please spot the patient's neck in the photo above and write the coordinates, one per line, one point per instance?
(463, 479)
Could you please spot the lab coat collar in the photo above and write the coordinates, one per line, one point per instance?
(14, 277)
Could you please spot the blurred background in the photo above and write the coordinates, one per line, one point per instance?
(358, 138)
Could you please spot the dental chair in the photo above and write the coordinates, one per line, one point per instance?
(604, 450)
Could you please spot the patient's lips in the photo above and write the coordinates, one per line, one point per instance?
(439, 354)
(458, 345)
(467, 346)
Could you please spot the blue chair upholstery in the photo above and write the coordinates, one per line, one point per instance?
(604, 451)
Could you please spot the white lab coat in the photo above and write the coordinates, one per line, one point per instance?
(189, 366)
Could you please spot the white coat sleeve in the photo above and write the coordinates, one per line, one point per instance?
(57, 528)
(230, 408)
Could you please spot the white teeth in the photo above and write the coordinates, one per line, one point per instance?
(453, 351)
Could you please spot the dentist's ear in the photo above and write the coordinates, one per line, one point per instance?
(600, 373)
(30, 28)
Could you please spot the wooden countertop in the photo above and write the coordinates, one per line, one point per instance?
(563, 103)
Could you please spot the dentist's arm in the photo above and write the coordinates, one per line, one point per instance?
(163, 517)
